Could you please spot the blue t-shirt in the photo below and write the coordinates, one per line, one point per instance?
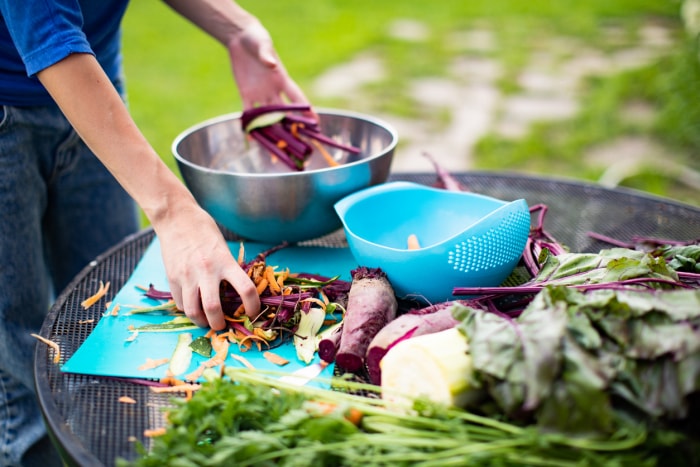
(35, 34)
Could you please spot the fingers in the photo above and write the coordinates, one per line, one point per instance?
(202, 305)
(246, 290)
(294, 93)
(259, 72)
(176, 292)
(297, 96)
(192, 306)
(211, 304)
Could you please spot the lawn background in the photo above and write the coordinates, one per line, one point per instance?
(177, 76)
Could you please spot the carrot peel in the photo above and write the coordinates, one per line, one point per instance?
(91, 300)
(52, 344)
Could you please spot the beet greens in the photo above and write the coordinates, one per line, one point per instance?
(585, 362)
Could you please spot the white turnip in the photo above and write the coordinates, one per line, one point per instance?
(414, 323)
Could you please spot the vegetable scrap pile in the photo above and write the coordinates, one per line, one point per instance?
(582, 359)
(596, 361)
(296, 307)
(288, 136)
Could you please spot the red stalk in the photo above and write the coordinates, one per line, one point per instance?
(272, 147)
(320, 137)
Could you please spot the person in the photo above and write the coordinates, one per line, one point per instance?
(74, 166)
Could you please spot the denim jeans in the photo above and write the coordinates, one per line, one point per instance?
(59, 209)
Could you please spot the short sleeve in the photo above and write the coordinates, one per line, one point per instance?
(45, 31)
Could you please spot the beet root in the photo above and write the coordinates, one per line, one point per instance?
(328, 346)
(412, 324)
(371, 305)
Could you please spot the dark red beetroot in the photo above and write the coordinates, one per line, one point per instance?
(328, 346)
(371, 305)
(414, 323)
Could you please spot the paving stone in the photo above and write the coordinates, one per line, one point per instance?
(468, 91)
(407, 29)
(348, 78)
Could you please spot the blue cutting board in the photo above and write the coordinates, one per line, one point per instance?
(107, 352)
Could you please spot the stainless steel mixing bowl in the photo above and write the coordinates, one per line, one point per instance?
(259, 198)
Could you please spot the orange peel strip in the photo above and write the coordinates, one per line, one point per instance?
(220, 345)
(274, 358)
(329, 159)
(262, 285)
(281, 277)
(243, 360)
(52, 344)
(255, 338)
(233, 320)
(240, 311)
(270, 276)
(151, 363)
(155, 432)
(260, 333)
(170, 380)
(91, 300)
(194, 376)
(178, 388)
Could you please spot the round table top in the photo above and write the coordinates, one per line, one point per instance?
(91, 427)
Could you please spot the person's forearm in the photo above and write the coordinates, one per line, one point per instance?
(96, 111)
(195, 254)
(221, 19)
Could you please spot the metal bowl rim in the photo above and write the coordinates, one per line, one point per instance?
(322, 111)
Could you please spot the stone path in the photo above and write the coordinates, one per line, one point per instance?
(549, 90)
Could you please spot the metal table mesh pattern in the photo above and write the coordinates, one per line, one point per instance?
(91, 427)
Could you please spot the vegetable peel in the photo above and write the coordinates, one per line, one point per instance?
(305, 336)
(182, 355)
(91, 300)
(52, 344)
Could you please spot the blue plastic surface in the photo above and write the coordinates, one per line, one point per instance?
(107, 352)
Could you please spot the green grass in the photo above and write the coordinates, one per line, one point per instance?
(177, 76)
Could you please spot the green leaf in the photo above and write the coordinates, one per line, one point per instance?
(683, 258)
(202, 346)
(607, 266)
(266, 119)
(571, 357)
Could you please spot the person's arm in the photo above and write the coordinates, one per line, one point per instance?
(195, 253)
(258, 71)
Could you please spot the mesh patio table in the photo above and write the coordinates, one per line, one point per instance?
(82, 412)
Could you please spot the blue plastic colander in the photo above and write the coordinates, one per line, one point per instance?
(466, 239)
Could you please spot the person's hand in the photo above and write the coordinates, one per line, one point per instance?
(259, 73)
(197, 259)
